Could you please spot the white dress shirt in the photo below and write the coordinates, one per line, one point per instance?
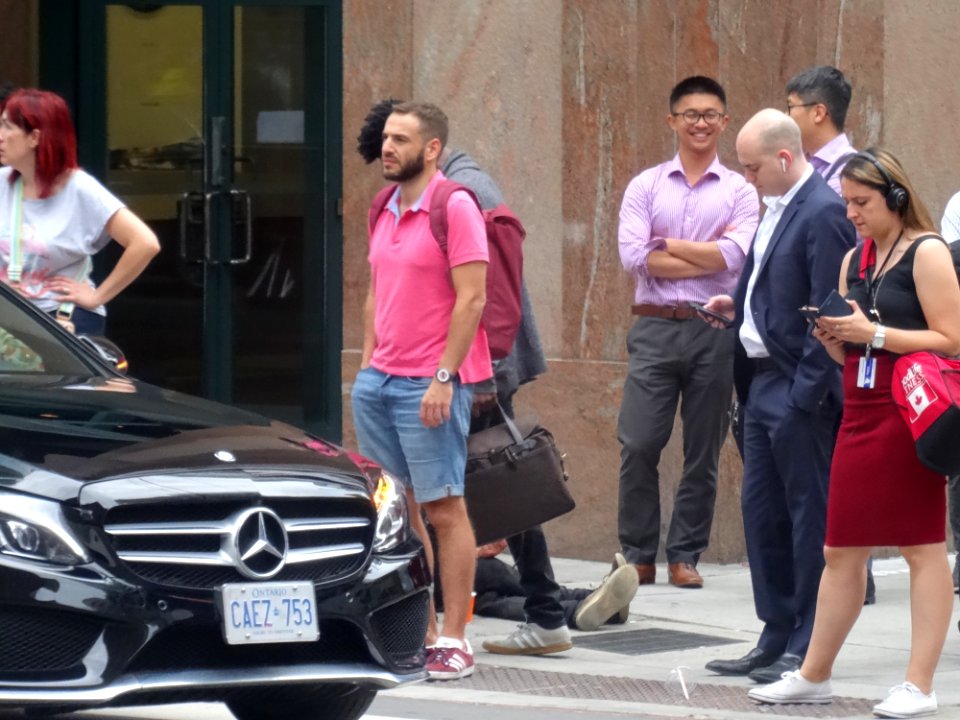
(749, 335)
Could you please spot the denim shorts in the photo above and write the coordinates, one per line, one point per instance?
(386, 415)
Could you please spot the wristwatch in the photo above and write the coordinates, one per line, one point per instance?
(442, 375)
(879, 337)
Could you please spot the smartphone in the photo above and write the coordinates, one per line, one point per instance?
(811, 313)
(727, 322)
(834, 305)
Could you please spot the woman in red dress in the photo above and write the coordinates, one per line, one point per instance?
(903, 291)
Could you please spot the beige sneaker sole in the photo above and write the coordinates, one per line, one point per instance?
(492, 647)
(607, 600)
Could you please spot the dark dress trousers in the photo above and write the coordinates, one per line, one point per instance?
(790, 403)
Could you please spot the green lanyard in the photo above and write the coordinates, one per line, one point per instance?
(15, 267)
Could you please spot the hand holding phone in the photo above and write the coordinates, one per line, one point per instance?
(727, 322)
(833, 305)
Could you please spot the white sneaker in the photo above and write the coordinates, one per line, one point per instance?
(793, 689)
(906, 700)
(609, 600)
(531, 639)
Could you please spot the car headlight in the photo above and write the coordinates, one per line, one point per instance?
(36, 529)
(390, 501)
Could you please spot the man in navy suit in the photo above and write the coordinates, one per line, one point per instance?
(790, 391)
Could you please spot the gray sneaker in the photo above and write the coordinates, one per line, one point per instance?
(611, 599)
(531, 639)
(793, 689)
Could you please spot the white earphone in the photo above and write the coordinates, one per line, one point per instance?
(783, 164)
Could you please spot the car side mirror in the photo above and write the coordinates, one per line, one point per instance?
(107, 350)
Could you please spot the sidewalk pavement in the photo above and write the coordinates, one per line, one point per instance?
(617, 680)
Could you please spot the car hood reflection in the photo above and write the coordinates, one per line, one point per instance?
(86, 429)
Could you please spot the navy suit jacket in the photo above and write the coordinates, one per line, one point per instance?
(800, 267)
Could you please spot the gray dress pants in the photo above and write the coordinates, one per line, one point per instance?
(671, 361)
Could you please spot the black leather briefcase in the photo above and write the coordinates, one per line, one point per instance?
(515, 480)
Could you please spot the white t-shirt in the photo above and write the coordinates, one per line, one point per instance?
(58, 234)
(950, 225)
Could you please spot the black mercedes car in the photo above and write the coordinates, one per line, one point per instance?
(155, 547)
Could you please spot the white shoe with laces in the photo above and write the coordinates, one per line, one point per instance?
(906, 700)
(793, 689)
(531, 639)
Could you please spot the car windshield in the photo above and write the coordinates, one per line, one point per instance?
(30, 345)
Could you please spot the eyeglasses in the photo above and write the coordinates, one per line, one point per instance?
(791, 106)
(692, 117)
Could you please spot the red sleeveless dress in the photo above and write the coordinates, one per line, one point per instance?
(880, 493)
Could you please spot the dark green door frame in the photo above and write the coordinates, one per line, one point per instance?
(73, 63)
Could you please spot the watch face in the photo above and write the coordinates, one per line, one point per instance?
(443, 375)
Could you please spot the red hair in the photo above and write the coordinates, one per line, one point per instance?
(56, 152)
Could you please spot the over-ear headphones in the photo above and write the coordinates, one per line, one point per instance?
(895, 194)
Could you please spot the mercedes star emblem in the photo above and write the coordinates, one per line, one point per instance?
(258, 544)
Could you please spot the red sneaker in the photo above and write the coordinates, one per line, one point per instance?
(450, 660)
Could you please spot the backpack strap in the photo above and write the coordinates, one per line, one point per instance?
(378, 205)
(837, 164)
(438, 208)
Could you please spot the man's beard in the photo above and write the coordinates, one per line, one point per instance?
(408, 170)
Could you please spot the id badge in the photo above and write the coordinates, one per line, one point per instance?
(866, 373)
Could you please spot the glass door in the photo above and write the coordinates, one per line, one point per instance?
(221, 130)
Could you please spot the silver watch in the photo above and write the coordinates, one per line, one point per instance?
(879, 337)
(442, 375)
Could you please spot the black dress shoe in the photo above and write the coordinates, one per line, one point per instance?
(771, 673)
(754, 659)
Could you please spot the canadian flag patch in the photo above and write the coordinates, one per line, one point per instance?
(920, 399)
(918, 392)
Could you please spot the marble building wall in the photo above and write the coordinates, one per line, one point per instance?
(563, 101)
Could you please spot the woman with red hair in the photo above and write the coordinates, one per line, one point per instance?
(54, 216)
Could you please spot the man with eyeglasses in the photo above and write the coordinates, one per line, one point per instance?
(817, 100)
(685, 230)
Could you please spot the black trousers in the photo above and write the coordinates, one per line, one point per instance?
(953, 496)
(500, 594)
(786, 472)
(672, 361)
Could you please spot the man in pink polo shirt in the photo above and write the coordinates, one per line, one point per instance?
(423, 349)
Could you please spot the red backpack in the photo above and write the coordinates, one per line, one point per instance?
(505, 234)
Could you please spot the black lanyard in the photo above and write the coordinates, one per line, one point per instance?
(874, 289)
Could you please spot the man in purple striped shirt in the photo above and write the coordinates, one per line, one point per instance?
(685, 230)
(817, 100)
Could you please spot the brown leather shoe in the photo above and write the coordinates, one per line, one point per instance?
(646, 573)
(685, 575)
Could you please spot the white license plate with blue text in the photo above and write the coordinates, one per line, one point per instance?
(272, 612)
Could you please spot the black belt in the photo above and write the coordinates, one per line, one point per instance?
(764, 364)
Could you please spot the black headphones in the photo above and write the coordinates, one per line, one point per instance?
(895, 194)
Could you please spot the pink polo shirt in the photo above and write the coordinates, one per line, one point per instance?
(413, 288)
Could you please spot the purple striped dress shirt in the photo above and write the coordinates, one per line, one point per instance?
(826, 156)
(660, 204)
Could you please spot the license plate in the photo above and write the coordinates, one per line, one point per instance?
(277, 612)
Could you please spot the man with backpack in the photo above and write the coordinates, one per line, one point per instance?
(545, 628)
(423, 350)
